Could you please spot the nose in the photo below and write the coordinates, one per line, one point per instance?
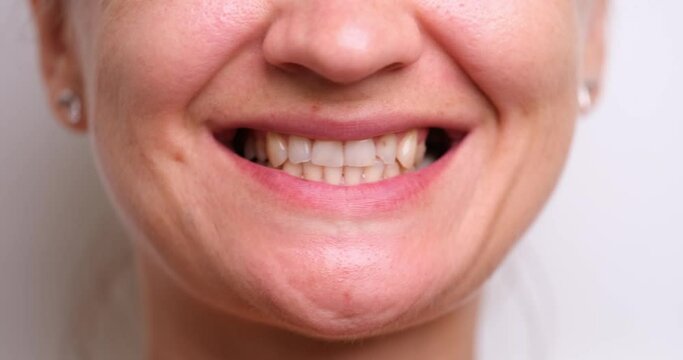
(343, 41)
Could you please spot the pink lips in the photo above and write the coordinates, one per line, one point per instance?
(353, 128)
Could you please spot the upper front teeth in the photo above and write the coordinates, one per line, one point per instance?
(299, 149)
(360, 153)
(386, 148)
(336, 162)
(328, 153)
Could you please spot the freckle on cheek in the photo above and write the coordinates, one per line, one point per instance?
(179, 157)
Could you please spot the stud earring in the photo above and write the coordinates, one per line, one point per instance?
(585, 96)
(72, 104)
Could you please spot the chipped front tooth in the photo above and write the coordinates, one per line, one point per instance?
(332, 175)
(407, 148)
(250, 148)
(373, 173)
(359, 153)
(328, 153)
(295, 170)
(276, 148)
(299, 149)
(391, 171)
(313, 172)
(353, 175)
(260, 145)
(386, 148)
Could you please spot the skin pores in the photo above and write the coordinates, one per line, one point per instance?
(160, 76)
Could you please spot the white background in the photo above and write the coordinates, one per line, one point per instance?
(600, 275)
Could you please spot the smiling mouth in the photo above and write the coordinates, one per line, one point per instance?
(338, 162)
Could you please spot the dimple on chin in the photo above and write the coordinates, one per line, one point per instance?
(345, 288)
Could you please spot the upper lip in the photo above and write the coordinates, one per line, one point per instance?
(343, 128)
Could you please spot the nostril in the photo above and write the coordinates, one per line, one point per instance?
(393, 67)
(353, 44)
(291, 67)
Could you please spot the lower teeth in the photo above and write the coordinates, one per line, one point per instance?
(348, 175)
(428, 160)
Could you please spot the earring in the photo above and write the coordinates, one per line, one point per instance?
(585, 97)
(72, 104)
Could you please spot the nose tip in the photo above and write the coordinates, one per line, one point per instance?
(343, 42)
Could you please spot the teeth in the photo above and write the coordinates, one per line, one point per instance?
(296, 170)
(373, 173)
(359, 153)
(261, 154)
(391, 171)
(313, 172)
(250, 148)
(428, 160)
(328, 153)
(299, 149)
(332, 175)
(353, 175)
(420, 155)
(336, 162)
(386, 148)
(276, 149)
(407, 149)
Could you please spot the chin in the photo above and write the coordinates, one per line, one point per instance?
(345, 289)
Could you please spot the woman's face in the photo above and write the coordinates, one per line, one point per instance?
(329, 251)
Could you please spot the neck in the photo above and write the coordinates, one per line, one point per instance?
(180, 327)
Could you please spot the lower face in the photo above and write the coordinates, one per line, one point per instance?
(337, 210)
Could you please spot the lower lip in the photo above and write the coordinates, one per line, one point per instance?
(353, 201)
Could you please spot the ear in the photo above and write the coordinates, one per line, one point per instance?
(594, 48)
(58, 60)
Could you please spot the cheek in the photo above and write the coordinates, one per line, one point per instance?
(161, 53)
(151, 58)
(517, 52)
